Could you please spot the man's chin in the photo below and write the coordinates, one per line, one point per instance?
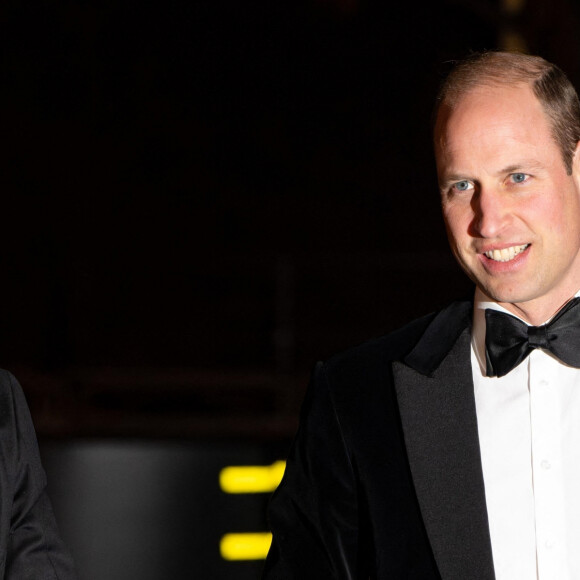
(505, 296)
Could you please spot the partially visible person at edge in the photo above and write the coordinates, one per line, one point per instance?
(450, 449)
(30, 544)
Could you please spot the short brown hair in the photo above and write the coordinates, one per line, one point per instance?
(549, 83)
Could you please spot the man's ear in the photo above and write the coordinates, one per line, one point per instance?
(576, 158)
(576, 164)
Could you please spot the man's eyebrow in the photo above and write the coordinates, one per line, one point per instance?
(511, 168)
(523, 166)
(455, 177)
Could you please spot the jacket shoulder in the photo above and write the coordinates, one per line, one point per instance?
(437, 330)
(391, 346)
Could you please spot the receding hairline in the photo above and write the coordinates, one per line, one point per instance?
(448, 107)
(492, 69)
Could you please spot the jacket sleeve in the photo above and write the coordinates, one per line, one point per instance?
(34, 549)
(313, 513)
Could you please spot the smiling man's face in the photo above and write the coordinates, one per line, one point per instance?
(511, 210)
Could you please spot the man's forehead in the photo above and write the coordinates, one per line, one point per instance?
(487, 108)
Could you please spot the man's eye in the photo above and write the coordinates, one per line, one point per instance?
(462, 185)
(519, 177)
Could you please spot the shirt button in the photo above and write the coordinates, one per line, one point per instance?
(549, 544)
(545, 464)
(544, 383)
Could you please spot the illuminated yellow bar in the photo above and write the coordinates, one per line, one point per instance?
(245, 546)
(252, 478)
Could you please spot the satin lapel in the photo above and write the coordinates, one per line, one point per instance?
(440, 429)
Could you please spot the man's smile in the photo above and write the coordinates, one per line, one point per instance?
(505, 254)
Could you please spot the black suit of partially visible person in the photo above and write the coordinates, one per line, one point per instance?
(30, 544)
(384, 478)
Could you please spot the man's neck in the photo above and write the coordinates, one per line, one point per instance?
(536, 312)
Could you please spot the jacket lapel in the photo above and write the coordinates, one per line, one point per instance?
(434, 388)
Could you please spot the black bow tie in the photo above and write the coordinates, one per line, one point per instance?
(508, 340)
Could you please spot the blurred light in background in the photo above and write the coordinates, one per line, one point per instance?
(252, 478)
(245, 546)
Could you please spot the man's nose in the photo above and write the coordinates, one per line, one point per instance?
(491, 212)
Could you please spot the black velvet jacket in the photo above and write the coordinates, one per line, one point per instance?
(384, 478)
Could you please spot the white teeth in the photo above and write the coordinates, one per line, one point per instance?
(506, 254)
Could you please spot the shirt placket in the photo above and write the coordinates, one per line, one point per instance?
(546, 459)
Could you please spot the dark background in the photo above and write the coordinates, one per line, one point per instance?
(200, 200)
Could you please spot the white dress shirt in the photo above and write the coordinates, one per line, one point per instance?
(529, 433)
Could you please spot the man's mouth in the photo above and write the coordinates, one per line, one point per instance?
(505, 254)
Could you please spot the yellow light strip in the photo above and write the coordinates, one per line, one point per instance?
(245, 546)
(252, 478)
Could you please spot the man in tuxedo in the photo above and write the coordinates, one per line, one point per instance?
(30, 544)
(450, 449)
